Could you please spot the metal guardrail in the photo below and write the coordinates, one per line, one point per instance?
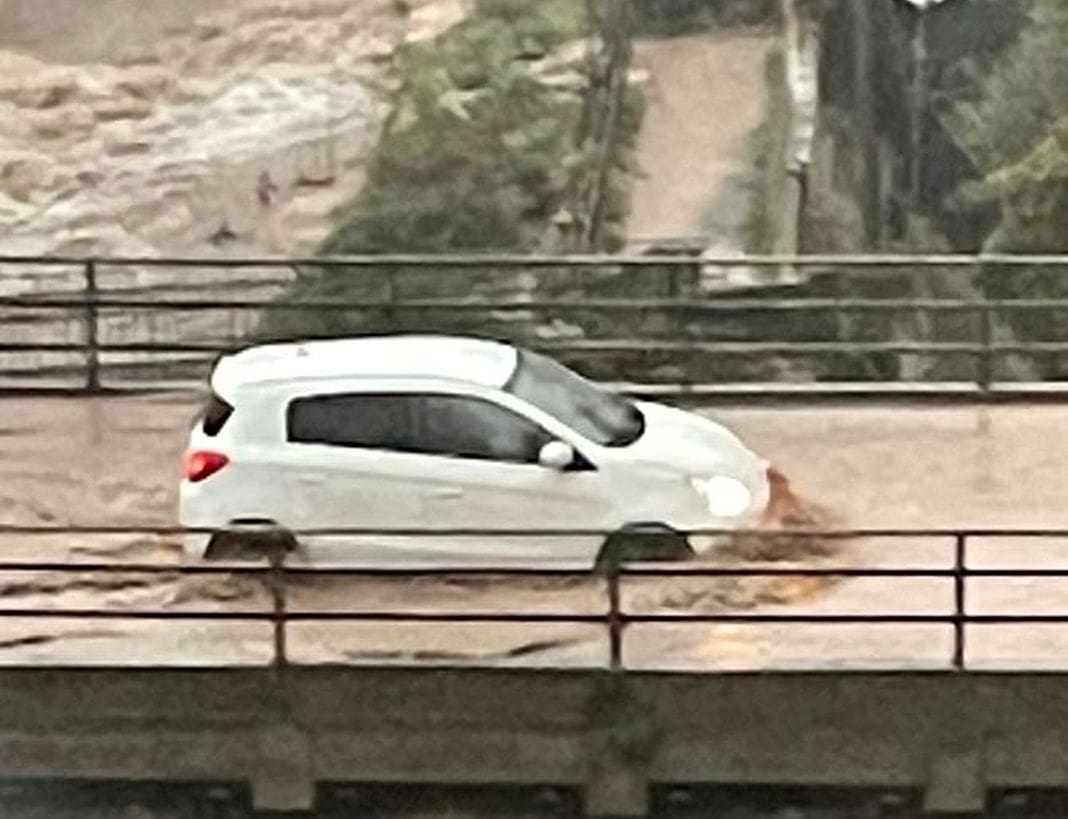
(277, 573)
(984, 349)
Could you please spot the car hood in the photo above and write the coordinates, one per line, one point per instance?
(693, 445)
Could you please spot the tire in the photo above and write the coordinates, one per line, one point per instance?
(250, 541)
(643, 541)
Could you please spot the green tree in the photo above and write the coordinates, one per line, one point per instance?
(492, 146)
(1016, 132)
(476, 153)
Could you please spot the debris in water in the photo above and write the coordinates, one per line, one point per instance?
(791, 515)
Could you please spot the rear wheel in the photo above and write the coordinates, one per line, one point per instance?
(643, 541)
(252, 540)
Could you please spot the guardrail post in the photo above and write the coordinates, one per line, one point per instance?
(959, 573)
(390, 313)
(615, 617)
(674, 282)
(985, 362)
(278, 599)
(92, 358)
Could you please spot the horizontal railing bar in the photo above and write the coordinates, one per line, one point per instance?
(138, 614)
(305, 616)
(394, 616)
(708, 304)
(79, 567)
(264, 568)
(577, 618)
(841, 533)
(846, 619)
(742, 347)
(542, 260)
(136, 347)
(730, 392)
(577, 571)
(606, 346)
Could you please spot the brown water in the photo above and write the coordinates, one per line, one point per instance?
(115, 461)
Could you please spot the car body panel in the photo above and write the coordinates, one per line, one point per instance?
(313, 486)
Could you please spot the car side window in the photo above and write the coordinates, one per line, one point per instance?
(364, 420)
(464, 427)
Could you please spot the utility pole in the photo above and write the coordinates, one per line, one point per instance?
(609, 68)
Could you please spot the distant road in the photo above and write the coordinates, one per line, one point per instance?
(705, 95)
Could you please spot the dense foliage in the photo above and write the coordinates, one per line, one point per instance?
(508, 134)
(477, 151)
(1017, 133)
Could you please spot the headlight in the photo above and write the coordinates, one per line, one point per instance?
(726, 497)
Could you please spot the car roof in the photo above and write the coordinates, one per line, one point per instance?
(453, 358)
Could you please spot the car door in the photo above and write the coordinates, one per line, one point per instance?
(350, 464)
(484, 474)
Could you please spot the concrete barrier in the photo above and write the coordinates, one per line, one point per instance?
(282, 731)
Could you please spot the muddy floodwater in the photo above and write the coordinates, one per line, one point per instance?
(115, 461)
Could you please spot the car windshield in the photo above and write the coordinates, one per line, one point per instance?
(605, 418)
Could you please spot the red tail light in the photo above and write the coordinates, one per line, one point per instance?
(200, 465)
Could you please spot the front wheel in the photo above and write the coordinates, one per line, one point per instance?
(643, 541)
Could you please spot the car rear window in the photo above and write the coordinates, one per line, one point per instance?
(216, 414)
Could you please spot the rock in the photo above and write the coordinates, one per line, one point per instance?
(430, 20)
(564, 59)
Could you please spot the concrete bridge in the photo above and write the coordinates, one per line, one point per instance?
(613, 736)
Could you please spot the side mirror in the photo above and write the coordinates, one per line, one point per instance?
(556, 455)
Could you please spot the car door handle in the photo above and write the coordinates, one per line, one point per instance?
(449, 493)
(312, 480)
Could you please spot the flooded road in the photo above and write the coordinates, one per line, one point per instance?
(116, 461)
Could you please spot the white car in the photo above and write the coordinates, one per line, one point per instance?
(440, 433)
